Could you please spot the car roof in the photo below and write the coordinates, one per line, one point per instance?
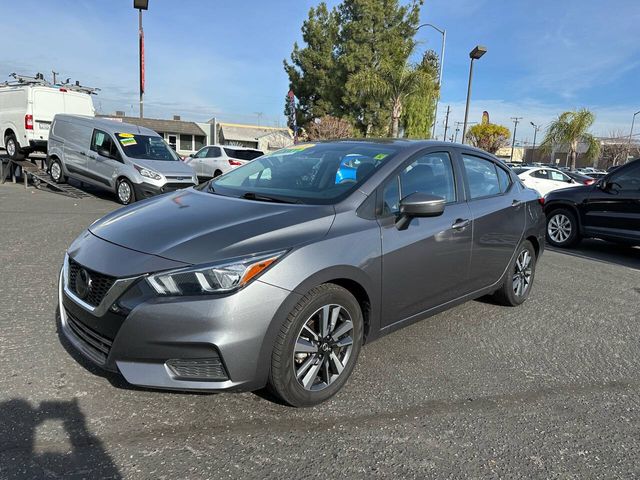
(107, 124)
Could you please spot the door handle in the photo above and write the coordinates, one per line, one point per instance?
(516, 203)
(461, 224)
(81, 152)
(93, 157)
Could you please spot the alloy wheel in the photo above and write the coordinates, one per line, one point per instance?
(55, 171)
(124, 192)
(522, 273)
(11, 147)
(559, 228)
(323, 347)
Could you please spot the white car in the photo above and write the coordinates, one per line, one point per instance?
(544, 179)
(214, 160)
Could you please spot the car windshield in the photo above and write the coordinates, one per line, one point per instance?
(146, 147)
(242, 154)
(306, 173)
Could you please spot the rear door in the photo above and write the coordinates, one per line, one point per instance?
(560, 180)
(498, 218)
(46, 103)
(211, 162)
(615, 211)
(426, 264)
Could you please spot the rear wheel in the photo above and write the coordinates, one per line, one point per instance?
(13, 147)
(562, 228)
(317, 347)
(124, 191)
(517, 285)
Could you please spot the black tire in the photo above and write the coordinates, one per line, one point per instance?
(508, 293)
(217, 173)
(122, 186)
(562, 228)
(282, 378)
(12, 147)
(55, 171)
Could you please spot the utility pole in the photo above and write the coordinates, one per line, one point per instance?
(515, 129)
(536, 128)
(55, 74)
(633, 120)
(446, 123)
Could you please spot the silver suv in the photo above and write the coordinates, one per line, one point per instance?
(133, 162)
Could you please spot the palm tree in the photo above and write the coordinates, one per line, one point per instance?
(392, 86)
(571, 129)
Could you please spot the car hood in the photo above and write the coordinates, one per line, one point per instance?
(171, 168)
(194, 227)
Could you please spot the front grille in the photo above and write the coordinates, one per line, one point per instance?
(170, 187)
(93, 344)
(204, 369)
(100, 283)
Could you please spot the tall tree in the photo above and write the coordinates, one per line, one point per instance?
(489, 136)
(571, 129)
(390, 86)
(417, 119)
(374, 35)
(312, 71)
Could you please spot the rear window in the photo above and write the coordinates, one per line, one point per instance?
(241, 154)
(519, 170)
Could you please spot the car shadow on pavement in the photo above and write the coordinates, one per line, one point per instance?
(32, 447)
(605, 252)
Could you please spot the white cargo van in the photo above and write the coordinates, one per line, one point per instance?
(27, 110)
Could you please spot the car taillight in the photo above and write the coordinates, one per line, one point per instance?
(28, 122)
(541, 200)
(591, 181)
(235, 163)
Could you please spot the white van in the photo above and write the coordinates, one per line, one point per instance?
(27, 110)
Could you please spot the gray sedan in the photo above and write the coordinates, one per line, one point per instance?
(277, 272)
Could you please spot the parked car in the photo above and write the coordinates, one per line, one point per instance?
(608, 209)
(133, 162)
(597, 175)
(544, 179)
(273, 273)
(214, 160)
(580, 178)
(27, 110)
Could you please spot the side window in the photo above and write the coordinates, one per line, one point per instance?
(102, 140)
(431, 173)
(213, 152)
(558, 176)
(543, 174)
(627, 181)
(482, 177)
(202, 153)
(504, 179)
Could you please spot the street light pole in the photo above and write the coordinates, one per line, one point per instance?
(141, 5)
(630, 135)
(475, 54)
(442, 32)
(535, 134)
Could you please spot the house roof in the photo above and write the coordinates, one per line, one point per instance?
(249, 133)
(165, 126)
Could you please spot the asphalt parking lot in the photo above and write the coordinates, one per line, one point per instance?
(547, 390)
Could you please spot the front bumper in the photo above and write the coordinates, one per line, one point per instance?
(186, 343)
(147, 190)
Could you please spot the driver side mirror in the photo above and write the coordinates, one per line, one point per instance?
(419, 204)
(104, 152)
(191, 155)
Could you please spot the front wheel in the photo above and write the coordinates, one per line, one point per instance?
(562, 228)
(55, 170)
(124, 191)
(317, 347)
(13, 148)
(519, 280)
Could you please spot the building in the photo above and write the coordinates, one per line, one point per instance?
(263, 138)
(188, 137)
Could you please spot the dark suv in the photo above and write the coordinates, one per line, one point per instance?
(608, 209)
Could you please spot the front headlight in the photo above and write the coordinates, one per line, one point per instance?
(214, 278)
(145, 172)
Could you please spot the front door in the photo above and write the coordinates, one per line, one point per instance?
(426, 264)
(172, 140)
(103, 158)
(615, 210)
(498, 219)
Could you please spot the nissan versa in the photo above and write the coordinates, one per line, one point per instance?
(277, 272)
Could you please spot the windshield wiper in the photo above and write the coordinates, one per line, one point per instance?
(268, 198)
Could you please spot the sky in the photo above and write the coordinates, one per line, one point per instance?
(219, 58)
